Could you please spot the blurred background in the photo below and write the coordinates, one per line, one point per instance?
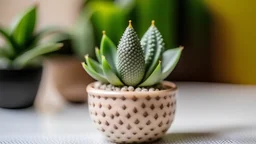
(218, 36)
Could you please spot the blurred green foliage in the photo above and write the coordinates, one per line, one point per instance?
(23, 46)
(113, 15)
(162, 11)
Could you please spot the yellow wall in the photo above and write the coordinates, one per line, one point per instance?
(234, 37)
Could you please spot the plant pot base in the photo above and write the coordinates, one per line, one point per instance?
(18, 107)
(147, 142)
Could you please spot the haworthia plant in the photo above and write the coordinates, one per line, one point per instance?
(133, 63)
(21, 48)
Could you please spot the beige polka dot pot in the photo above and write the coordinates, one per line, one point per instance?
(127, 117)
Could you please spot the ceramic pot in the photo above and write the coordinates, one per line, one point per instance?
(132, 116)
(18, 88)
(68, 77)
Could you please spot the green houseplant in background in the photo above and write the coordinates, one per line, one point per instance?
(20, 60)
(162, 11)
(131, 103)
(100, 14)
(96, 16)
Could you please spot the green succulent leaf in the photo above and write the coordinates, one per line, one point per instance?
(153, 64)
(98, 54)
(4, 62)
(35, 62)
(110, 75)
(59, 34)
(5, 51)
(24, 26)
(108, 49)
(58, 37)
(47, 31)
(10, 41)
(130, 58)
(170, 59)
(55, 34)
(153, 46)
(94, 65)
(5, 34)
(83, 35)
(154, 78)
(94, 74)
(23, 59)
(2, 52)
(149, 46)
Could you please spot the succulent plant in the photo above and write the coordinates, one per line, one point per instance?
(134, 63)
(22, 47)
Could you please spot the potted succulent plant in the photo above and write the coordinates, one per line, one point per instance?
(20, 67)
(131, 102)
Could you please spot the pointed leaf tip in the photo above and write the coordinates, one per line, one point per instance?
(153, 23)
(103, 32)
(130, 23)
(94, 65)
(94, 74)
(108, 49)
(24, 26)
(98, 55)
(86, 56)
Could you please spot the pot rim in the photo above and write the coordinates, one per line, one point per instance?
(172, 89)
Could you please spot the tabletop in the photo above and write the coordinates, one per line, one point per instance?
(206, 113)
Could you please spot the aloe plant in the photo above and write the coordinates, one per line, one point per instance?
(22, 47)
(134, 63)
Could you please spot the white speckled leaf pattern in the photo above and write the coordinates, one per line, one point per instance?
(130, 58)
(150, 42)
(133, 118)
(154, 47)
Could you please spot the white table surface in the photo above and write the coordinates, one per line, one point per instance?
(206, 113)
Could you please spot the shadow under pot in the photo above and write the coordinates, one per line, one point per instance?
(18, 88)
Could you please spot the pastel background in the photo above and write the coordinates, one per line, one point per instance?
(218, 36)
